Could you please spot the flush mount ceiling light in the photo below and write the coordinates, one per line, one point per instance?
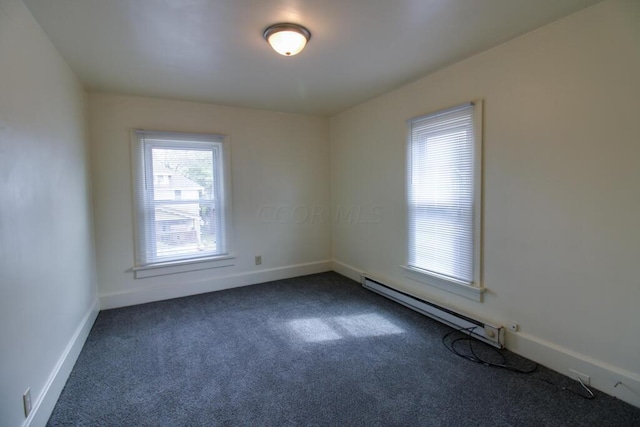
(287, 39)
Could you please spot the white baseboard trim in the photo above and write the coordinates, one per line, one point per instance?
(604, 376)
(347, 270)
(142, 296)
(46, 401)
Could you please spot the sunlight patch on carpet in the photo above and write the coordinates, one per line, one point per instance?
(340, 327)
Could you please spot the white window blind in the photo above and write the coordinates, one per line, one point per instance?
(182, 201)
(444, 195)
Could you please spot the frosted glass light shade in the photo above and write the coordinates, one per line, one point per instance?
(287, 39)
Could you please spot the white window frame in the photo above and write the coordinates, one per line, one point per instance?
(145, 266)
(474, 290)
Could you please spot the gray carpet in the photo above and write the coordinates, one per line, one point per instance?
(317, 350)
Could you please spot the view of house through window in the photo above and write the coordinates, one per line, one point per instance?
(183, 201)
(180, 198)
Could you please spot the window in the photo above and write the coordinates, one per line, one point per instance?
(182, 198)
(444, 199)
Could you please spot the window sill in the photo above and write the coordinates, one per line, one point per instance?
(175, 267)
(450, 285)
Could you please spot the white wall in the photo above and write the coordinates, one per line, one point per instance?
(562, 202)
(47, 277)
(278, 161)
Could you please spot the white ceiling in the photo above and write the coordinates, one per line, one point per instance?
(213, 50)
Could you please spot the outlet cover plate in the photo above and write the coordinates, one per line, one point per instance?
(26, 401)
(586, 379)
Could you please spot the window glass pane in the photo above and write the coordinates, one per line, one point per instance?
(180, 197)
(189, 172)
(441, 194)
(187, 226)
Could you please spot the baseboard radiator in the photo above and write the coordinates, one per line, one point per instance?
(491, 334)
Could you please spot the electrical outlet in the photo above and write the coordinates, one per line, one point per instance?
(26, 401)
(258, 259)
(513, 326)
(586, 379)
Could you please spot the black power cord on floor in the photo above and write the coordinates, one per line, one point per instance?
(472, 356)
